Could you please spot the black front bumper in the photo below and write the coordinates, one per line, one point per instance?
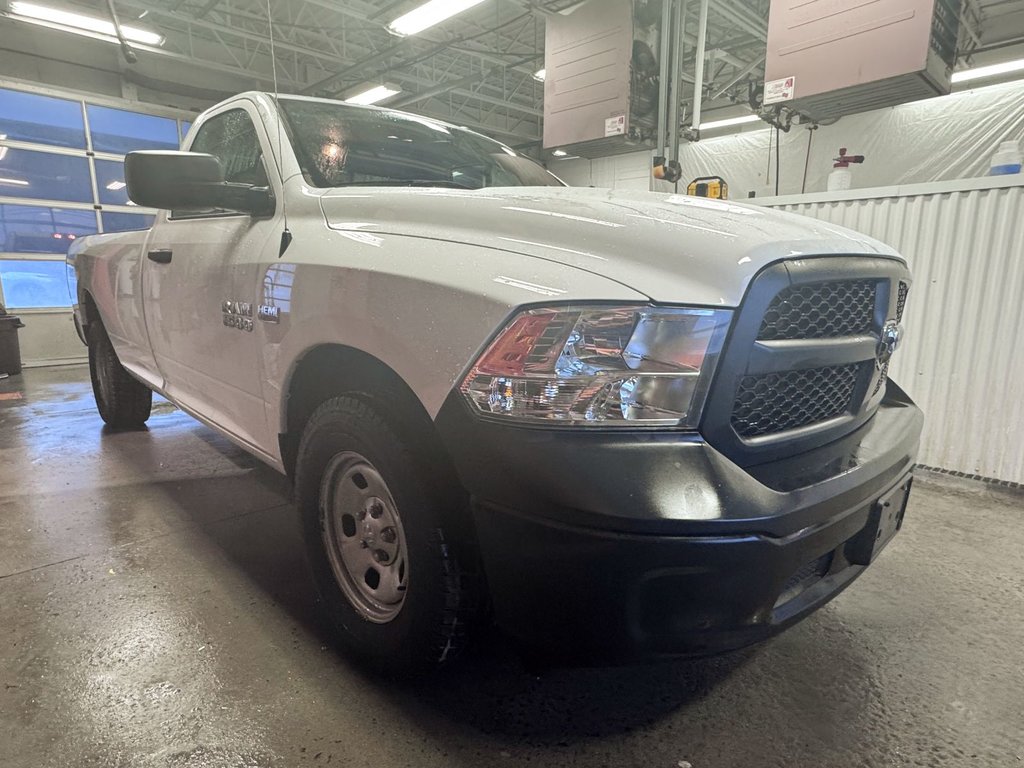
(613, 546)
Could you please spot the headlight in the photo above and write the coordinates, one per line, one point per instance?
(602, 366)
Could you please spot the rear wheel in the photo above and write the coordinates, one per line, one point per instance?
(376, 541)
(123, 402)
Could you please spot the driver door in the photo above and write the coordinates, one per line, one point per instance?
(201, 283)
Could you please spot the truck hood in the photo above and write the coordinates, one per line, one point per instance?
(672, 248)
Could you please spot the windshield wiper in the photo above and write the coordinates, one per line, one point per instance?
(407, 183)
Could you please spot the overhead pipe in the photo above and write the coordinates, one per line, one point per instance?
(679, 34)
(743, 18)
(698, 75)
(437, 90)
(739, 76)
(126, 50)
(663, 84)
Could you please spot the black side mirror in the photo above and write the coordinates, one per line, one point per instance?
(189, 181)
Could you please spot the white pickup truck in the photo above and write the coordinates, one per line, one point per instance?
(619, 424)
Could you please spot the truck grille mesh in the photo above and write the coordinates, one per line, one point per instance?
(820, 311)
(901, 303)
(901, 300)
(776, 402)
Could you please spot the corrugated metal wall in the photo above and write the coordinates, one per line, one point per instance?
(963, 360)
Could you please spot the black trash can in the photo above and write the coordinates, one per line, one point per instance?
(10, 349)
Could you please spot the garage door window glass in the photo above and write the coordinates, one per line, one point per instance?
(231, 138)
(39, 229)
(125, 222)
(121, 131)
(339, 145)
(44, 176)
(34, 284)
(41, 119)
(110, 182)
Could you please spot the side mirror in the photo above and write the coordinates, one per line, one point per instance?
(189, 181)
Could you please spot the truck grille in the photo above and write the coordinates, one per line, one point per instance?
(776, 402)
(800, 367)
(901, 303)
(821, 311)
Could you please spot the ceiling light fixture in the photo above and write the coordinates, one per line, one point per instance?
(540, 74)
(559, 153)
(80, 23)
(429, 14)
(116, 186)
(14, 182)
(992, 70)
(373, 94)
(725, 122)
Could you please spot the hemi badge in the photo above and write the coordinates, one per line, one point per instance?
(269, 314)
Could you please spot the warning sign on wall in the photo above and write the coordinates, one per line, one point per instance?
(615, 126)
(779, 90)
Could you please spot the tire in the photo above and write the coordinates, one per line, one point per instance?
(373, 525)
(123, 402)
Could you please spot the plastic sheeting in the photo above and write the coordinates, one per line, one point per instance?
(949, 137)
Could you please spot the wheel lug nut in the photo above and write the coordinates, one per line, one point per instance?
(380, 556)
(388, 535)
(376, 510)
(363, 544)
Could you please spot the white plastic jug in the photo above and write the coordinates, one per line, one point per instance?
(1006, 160)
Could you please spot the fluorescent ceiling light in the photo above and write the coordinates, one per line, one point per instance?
(373, 94)
(540, 74)
(729, 121)
(14, 182)
(116, 186)
(559, 153)
(990, 71)
(82, 24)
(429, 14)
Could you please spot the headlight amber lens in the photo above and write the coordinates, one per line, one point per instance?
(641, 366)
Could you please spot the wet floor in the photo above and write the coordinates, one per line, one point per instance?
(154, 611)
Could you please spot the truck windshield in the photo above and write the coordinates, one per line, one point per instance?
(340, 145)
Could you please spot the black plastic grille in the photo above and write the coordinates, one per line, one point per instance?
(809, 574)
(776, 402)
(901, 303)
(901, 300)
(821, 311)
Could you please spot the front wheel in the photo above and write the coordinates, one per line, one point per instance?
(374, 528)
(123, 402)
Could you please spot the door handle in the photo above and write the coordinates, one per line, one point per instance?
(162, 256)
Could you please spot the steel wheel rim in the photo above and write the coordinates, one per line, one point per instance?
(363, 537)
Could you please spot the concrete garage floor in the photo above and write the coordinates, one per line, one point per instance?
(155, 611)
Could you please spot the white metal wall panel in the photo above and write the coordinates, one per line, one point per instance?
(628, 171)
(963, 360)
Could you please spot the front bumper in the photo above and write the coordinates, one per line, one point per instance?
(611, 546)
